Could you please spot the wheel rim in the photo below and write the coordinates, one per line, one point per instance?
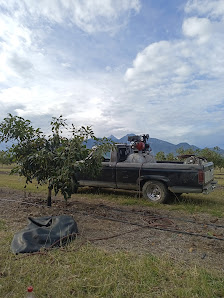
(154, 193)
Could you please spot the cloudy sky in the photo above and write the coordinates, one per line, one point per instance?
(139, 66)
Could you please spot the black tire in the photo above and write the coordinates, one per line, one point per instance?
(155, 192)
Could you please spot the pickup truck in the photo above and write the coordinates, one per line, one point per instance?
(157, 181)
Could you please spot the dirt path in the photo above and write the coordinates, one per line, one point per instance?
(138, 229)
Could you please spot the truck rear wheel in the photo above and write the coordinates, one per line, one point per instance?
(155, 192)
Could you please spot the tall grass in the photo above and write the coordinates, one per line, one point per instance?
(87, 271)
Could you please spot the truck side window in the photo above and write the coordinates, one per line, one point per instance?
(122, 154)
(106, 156)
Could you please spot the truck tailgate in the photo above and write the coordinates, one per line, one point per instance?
(208, 172)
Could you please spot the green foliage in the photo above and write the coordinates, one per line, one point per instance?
(182, 151)
(160, 156)
(16, 128)
(55, 159)
(214, 156)
(170, 157)
(208, 154)
(6, 158)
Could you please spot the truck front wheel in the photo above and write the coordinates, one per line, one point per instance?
(155, 192)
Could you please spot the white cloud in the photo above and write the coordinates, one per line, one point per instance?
(179, 81)
(102, 15)
(173, 89)
(37, 81)
(77, 99)
(200, 28)
(15, 46)
(210, 8)
(90, 16)
(162, 68)
(197, 54)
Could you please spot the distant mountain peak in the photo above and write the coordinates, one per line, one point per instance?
(156, 144)
(113, 138)
(183, 143)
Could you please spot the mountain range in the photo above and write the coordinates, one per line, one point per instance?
(156, 145)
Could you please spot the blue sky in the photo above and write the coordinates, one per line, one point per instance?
(122, 66)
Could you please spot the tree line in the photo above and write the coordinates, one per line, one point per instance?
(209, 154)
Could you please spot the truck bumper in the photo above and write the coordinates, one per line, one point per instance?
(205, 189)
(209, 187)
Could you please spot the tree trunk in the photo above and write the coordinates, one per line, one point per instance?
(49, 196)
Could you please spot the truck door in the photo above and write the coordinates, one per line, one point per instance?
(106, 177)
(127, 175)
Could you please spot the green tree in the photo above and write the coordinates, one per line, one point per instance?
(170, 157)
(160, 156)
(5, 158)
(182, 151)
(219, 159)
(55, 159)
(209, 154)
(214, 156)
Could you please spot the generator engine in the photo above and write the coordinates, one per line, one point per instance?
(139, 143)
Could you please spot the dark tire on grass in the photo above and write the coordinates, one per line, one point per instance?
(155, 192)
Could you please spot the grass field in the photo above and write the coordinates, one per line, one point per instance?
(212, 203)
(92, 272)
(86, 271)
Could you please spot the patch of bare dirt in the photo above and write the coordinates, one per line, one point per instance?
(137, 229)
